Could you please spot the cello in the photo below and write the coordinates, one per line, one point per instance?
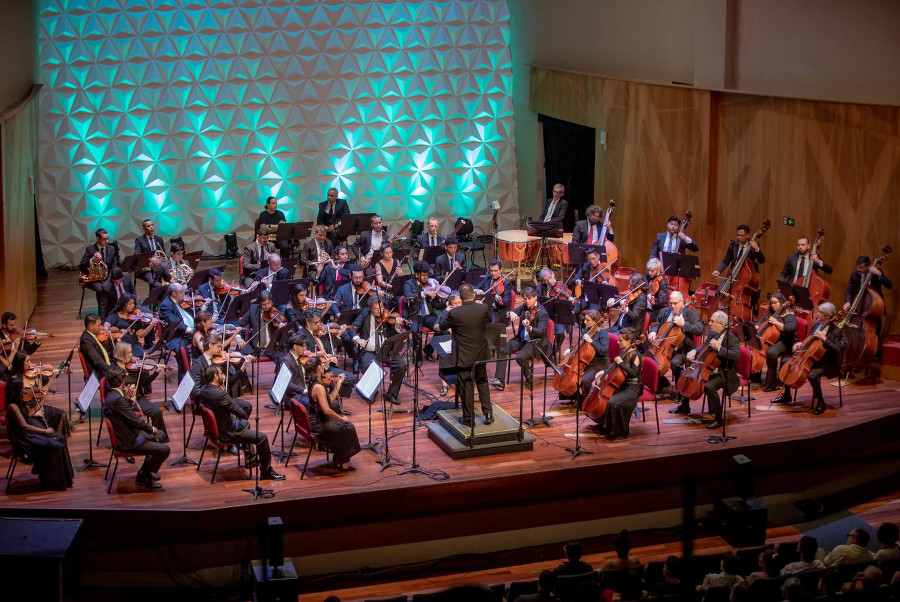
(669, 337)
(676, 283)
(768, 336)
(742, 282)
(575, 365)
(596, 401)
(693, 378)
(819, 290)
(796, 370)
(861, 322)
(612, 252)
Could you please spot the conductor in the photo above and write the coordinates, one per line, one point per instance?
(469, 322)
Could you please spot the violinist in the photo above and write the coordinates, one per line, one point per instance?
(35, 381)
(658, 286)
(452, 259)
(336, 431)
(261, 322)
(272, 217)
(587, 231)
(297, 305)
(741, 240)
(827, 331)
(133, 432)
(337, 271)
(134, 329)
(96, 352)
(725, 377)
(422, 304)
(798, 264)
(206, 327)
(386, 269)
(786, 324)
(591, 272)
(296, 387)
(318, 340)
(216, 292)
(686, 319)
(431, 237)
(529, 322)
(598, 338)
(632, 307)
(549, 286)
(256, 255)
(317, 253)
(497, 291)
(45, 447)
(348, 296)
(615, 422)
(171, 312)
(369, 241)
(238, 383)
(672, 240)
(141, 377)
(12, 340)
(877, 281)
(369, 331)
(100, 256)
(267, 275)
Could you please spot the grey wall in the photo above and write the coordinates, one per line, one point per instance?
(18, 49)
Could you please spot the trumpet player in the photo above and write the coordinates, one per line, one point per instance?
(317, 253)
(176, 270)
(98, 259)
(449, 261)
(151, 243)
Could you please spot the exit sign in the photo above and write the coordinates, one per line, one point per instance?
(788, 221)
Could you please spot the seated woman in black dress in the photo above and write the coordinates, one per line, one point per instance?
(615, 421)
(23, 369)
(45, 447)
(336, 432)
(386, 270)
(134, 331)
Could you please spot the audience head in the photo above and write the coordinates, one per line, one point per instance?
(768, 562)
(792, 589)
(546, 581)
(888, 534)
(740, 592)
(672, 568)
(622, 544)
(573, 550)
(731, 564)
(807, 547)
(858, 536)
(116, 274)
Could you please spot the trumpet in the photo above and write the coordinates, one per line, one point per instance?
(97, 272)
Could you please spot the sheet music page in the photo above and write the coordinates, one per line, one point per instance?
(281, 383)
(446, 346)
(370, 381)
(183, 393)
(87, 394)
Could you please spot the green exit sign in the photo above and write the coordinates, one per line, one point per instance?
(788, 221)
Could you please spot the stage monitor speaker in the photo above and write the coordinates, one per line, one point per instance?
(274, 542)
(741, 522)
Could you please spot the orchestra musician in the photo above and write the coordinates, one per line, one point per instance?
(20, 370)
(598, 338)
(468, 324)
(121, 285)
(204, 327)
(529, 322)
(431, 237)
(655, 280)
(347, 296)
(172, 312)
(238, 383)
(260, 334)
(825, 329)
(421, 307)
(591, 272)
(452, 259)
(336, 431)
(133, 432)
(587, 231)
(337, 271)
(217, 293)
(797, 264)
(672, 241)
(877, 281)
(633, 308)
(500, 295)
(296, 387)
(175, 270)
(742, 238)
(297, 305)
(686, 319)
(370, 241)
(96, 352)
(11, 341)
(725, 376)
(556, 207)
(331, 210)
(141, 379)
(133, 329)
(231, 419)
(324, 345)
(150, 242)
(101, 254)
(256, 255)
(272, 216)
(267, 275)
(786, 325)
(317, 251)
(548, 286)
(369, 331)
(386, 269)
(616, 420)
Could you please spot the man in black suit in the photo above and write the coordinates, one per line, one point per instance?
(96, 354)
(232, 422)
(686, 319)
(741, 240)
(316, 253)
(421, 307)
(309, 334)
(369, 334)
(100, 252)
(256, 255)
(370, 241)
(120, 284)
(832, 337)
(331, 211)
(468, 324)
(445, 263)
(238, 382)
(259, 338)
(672, 241)
(529, 321)
(797, 264)
(346, 298)
(337, 271)
(133, 434)
(499, 301)
(147, 243)
(556, 207)
(587, 231)
(267, 275)
(431, 237)
(725, 377)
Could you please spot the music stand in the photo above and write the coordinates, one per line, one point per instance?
(598, 293)
(455, 280)
(680, 265)
(430, 254)
(155, 296)
(401, 254)
(193, 259)
(578, 253)
(351, 223)
(799, 293)
(745, 331)
(348, 316)
(136, 262)
(281, 291)
(398, 284)
(294, 231)
(236, 307)
(475, 275)
(552, 229)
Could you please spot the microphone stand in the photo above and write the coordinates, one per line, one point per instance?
(256, 491)
(579, 398)
(67, 365)
(724, 438)
(416, 340)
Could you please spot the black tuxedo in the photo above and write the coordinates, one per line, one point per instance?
(876, 282)
(110, 256)
(90, 349)
(362, 327)
(362, 245)
(442, 265)
(134, 434)
(232, 422)
(525, 348)
(559, 211)
(634, 316)
(422, 240)
(581, 233)
(253, 262)
(731, 255)
(323, 218)
(142, 244)
(296, 387)
(725, 377)
(251, 319)
(790, 267)
(127, 287)
(468, 323)
(331, 278)
(659, 244)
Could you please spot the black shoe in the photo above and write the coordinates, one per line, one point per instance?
(429, 357)
(147, 481)
(489, 418)
(270, 475)
(681, 409)
(714, 425)
(769, 389)
(783, 397)
(820, 408)
(393, 400)
(464, 422)
(343, 467)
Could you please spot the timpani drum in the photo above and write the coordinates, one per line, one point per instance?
(559, 249)
(515, 246)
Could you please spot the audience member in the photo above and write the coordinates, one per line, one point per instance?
(671, 583)
(730, 565)
(887, 536)
(573, 565)
(830, 582)
(768, 565)
(546, 581)
(807, 548)
(854, 551)
(864, 582)
(622, 559)
(792, 591)
(740, 592)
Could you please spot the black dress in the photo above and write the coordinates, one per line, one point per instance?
(49, 453)
(116, 321)
(338, 436)
(617, 417)
(388, 275)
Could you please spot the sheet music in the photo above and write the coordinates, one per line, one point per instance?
(446, 346)
(370, 381)
(281, 383)
(183, 393)
(87, 394)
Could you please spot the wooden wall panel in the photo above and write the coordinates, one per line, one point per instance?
(738, 159)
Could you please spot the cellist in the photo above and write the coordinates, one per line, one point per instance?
(829, 365)
(615, 421)
(786, 324)
(658, 288)
(798, 264)
(742, 238)
(598, 338)
(686, 319)
(725, 377)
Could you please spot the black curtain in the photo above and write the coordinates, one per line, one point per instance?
(569, 160)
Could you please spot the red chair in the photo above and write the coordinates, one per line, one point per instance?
(802, 328)
(646, 323)
(114, 454)
(302, 429)
(211, 432)
(240, 270)
(86, 372)
(743, 370)
(614, 348)
(650, 380)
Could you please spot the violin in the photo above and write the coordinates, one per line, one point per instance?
(768, 336)
(308, 355)
(29, 335)
(654, 289)
(231, 289)
(139, 365)
(196, 301)
(365, 288)
(332, 328)
(112, 333)
(560, 290)
(272, 315)
(144, 317)
(391, 318)
(320, 303)
(433, 286)
(233, 357)
(598, 399)
(34, 371)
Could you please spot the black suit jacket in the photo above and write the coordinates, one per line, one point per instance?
(331, 280)
(442, 265)
(121, 411)
(692, 326)
(469, 322)
(634, 317)
(790, 267)
(252, 263)
(297, 385)
(362, 327)
(92, 354)
(875, 282)
(198, 367)
(310, 254)
(559, 212)
(251, 320)
(834, 344)
(506, 297)
(281, 274)
(110, 255)
(422, 240)
(142, 245)
(127, 286)
(363, 244)
(581, 231)
(659, 243)
(327, 219)
(230, 418)
(413, 302)
(538, 332)
(756, 257)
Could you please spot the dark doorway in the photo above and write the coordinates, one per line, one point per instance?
(569, 160)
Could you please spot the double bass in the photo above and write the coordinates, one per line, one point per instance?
(669, 337)
(676, 283)
(819, 290)
(768, 336)
(742, 281)
(694, 377)
(860, 325)
(596, 401)
(796, 370)
(612, 252)
(575, 365)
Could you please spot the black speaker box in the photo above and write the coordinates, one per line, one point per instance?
(740, 521)
(274, 541)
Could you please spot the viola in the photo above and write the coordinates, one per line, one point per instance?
(560, 290)
(234, 357)
(320, 303)
(308, 355)
(768, 336)
(863, 318)
(29, 335)
(795, 371)
(819, 290)
(365, 288)
(332, 328)
(742, 282)
(33, 371)
(575, 366)
(433, 286)
(391, 318)
(669, 337)
(598, 399)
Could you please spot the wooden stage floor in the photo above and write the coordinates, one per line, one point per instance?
(546, 486)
